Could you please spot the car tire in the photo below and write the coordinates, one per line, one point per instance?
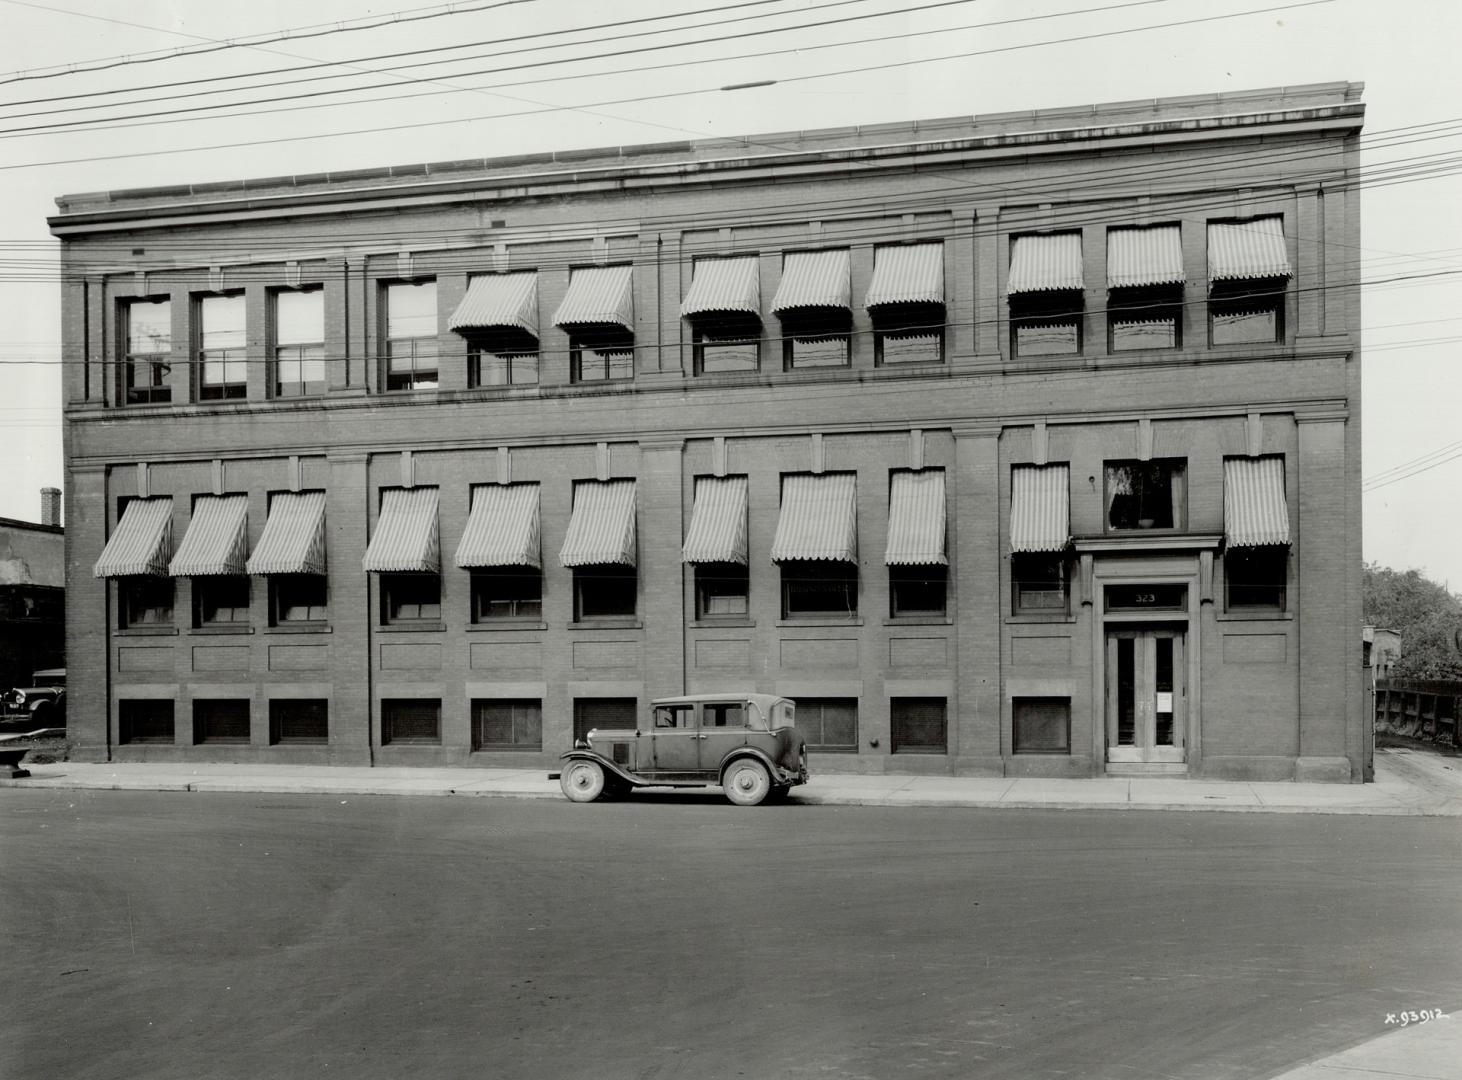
(582, 781)
(746, 782)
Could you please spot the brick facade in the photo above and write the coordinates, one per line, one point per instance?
(1253, 692)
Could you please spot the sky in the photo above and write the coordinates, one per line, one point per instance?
(540, 75)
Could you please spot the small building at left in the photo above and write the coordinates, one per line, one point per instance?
(32, 593)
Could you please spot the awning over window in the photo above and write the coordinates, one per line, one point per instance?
(140, 543)
(1045, 263)
(406, 538)
(724, 286)
(217, 541)
(1242, 250)
(294, 536)
(602, 527)
(814, 279)
(819, 518)
(1145, 256)
(1040, 508)
(1255, 511)
(499, 302)
(916, 519)
(502, 529)
(907, 274)
(717, 532)
(599, 296)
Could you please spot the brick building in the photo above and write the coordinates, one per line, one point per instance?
(1021, 444)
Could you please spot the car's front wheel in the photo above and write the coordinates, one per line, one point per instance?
(746, 782)
(582, 781)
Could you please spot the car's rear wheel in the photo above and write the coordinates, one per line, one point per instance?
(582, 781)
(746, 782)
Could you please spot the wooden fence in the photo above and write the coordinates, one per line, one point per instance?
(1419, 708)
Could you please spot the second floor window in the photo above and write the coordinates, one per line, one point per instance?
(493, 364)
(507, 592)
(299, 343)
(221, 600)
(722, 590)
(602, 355)
(411, 335)
(221, 367)
(1038, 582)
(298, 598)
(148, 332)
(411, 598)
(1145, 318)
(1046, 323)
(145, 600)
(1146, 494)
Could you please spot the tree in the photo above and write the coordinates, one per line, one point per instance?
(1427, 616)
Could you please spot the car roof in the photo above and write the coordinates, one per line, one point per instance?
(761, 701)
(51, 672)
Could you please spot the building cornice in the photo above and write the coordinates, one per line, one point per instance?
(436, 185)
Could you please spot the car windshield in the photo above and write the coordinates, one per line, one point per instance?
(50, 678)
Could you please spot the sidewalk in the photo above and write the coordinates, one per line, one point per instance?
(1418, 1051)
(1408, 783)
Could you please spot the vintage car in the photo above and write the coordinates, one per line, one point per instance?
(746, 743)
(42, 704)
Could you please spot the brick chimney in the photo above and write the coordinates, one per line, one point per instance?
(50, 506)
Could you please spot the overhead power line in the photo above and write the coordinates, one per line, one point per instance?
(640, 99)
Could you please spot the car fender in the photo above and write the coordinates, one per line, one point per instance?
(772, 768)
(605, 764)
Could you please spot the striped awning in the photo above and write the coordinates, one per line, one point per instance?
(814, 279)
(217, 540)
(1152, 255)
(916, 519)
(1243, 250)
(717, 532)
(141, 542)
(294, 536)
(502, 529)
(1045, 263)
(907, 274)
(819, 518)
(406, 538)
(722, 286)
(602, 526)
(1255, 511)
(498, 302)
(598, 296)
(1040, 508)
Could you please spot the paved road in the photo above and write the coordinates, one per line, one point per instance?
(216, 935)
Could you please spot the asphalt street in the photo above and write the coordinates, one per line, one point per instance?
(233, 935)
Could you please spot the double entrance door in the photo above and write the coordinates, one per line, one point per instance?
(1147, 694)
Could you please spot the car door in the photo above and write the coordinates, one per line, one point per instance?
(675, 748)
(723, 729)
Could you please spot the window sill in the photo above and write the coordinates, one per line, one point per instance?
(918, 620)
(1055, 618)
(1257, 615)
(148, 631)
(607, 623)
(717, 624)
(219, 631)
(821, 620)
(507, 749)
(505, 624)
(299, 628)
(412, 628)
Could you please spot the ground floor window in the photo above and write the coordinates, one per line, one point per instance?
(145, 601)
(411, 720)
(1038, 582)
(407, 598)
(721, 590)
(507, 593)
(604, 591)
(507, 724)
(221, 600)
(830, 725)
(918, 725)
(145, 720)
(1255, 578)
(221, 720)
(299, 720)
(1041, 725)
(298, 598)
(822, 587)
(607, 713)
(917, 590)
